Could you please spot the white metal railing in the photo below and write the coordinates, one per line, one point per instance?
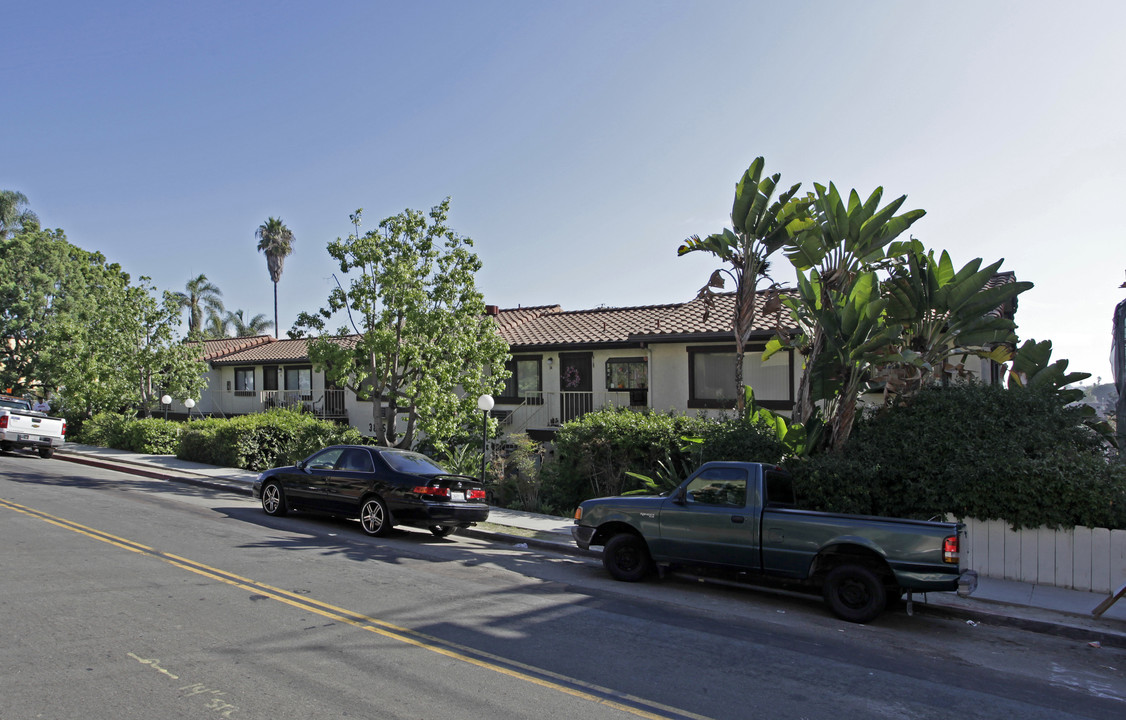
(550, 409)
(328, 404)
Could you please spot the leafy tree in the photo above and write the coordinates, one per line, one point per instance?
(39, 271)
(200, 296)
(77, 325)
(423, 346)
(124, 355)
(276, 240)
(15, 216)
(759, 228)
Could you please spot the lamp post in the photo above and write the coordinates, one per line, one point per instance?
(189, 404)
(484, 404)
(165, 400)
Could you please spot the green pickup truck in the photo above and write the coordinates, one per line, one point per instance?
(740, 516)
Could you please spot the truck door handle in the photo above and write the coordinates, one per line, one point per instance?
(737, 518)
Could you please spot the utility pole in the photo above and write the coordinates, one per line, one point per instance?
(1118, 366)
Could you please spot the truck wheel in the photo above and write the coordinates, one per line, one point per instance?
(46, 452)
(854, 593)
(7, 447)
(626, 558)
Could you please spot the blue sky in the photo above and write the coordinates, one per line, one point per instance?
(580, 142)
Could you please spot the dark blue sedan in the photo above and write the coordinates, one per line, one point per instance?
(383, 487)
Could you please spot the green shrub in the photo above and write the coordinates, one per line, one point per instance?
(151, 436)
(739, 439)
(104, 430)
(972, 450)
(520, 481)
(199, 442)
(594, 453)
(258, 442)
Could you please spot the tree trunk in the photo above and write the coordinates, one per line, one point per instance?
(275, 311)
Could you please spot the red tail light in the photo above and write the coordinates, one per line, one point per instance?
(476, 495)
(64, 427)
(950, 549)
(432, 491)
(3, 422)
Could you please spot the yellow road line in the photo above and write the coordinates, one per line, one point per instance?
(528, 673)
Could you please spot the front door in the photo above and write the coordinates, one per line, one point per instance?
(576, 384)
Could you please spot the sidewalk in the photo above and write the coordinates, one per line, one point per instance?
(1039, 608)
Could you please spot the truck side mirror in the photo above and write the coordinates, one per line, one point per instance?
(678, 495)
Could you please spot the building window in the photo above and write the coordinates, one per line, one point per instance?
(301, 379)
(711, 377)
(244, 381)
(525, 382)
(627, 373)
(270, 377)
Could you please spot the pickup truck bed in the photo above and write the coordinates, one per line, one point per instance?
(20, 426)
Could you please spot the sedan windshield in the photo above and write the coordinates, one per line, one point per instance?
(411, 462)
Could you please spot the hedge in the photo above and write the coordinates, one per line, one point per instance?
(972, 450)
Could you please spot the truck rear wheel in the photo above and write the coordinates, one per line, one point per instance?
(46, 452)
(626, 558)
(854, 593)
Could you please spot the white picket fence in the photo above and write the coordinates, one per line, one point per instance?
(1091, 559)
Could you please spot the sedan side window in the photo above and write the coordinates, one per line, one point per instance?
(719, 486)
(324, 460)
(355, 461)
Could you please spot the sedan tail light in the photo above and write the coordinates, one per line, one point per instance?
(476, 495)
(432, 491)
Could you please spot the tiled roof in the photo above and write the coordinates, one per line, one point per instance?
(260, 349)
(276, 351)
(548, 325)
(606, 326)
(215, 349)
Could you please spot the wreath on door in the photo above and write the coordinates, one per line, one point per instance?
(570, 377)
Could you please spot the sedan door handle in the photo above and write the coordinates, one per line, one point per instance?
(737, 518)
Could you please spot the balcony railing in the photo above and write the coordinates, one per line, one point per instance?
(552, 409)
(327, 404)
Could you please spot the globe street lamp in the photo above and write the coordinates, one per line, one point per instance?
(165, 400)
(189, 404)
(484, 404)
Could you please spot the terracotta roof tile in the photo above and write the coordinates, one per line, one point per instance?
(633, 324)
(276, 351)
(215, 349)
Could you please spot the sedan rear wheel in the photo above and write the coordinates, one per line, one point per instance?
(273, 500)
(375, 518)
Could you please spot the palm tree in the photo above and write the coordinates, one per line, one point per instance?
(217, 326)
(257, 325)
(276, 240)
(14, 215)
(201, 296)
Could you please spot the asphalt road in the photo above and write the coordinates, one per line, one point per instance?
(123, 597)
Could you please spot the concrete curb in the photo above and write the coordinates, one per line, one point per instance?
(170, 476)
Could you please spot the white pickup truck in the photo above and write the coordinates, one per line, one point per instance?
(20, 426)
